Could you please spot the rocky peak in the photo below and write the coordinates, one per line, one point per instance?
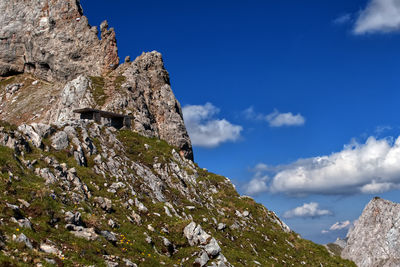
(53, 41)
(374, 240)
(52, 62)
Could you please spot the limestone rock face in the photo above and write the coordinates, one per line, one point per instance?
(66, 67)
(375, 238)
(148, 96)
(53, 40)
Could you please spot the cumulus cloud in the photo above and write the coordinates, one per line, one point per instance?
(276, 119)
(258, 184)
(370, 168)
(379, 16)
(308, 210)
(205, 130)
(340, 225)
(360, 168)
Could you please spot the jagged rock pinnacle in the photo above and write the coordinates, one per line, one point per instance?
(53, 41)
(374, 240)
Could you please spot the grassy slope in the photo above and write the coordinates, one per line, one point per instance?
(235, 244)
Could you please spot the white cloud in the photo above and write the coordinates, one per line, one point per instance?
(258, 184)
(340, 225)
(342, 19)
(382, 129)
(276, 119)
(308, 210)
(375, 188)
(206, 131)
(380, 16)
(359, 168)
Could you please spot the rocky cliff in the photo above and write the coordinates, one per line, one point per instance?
(62, 66)
(374, 240)
(53, 40)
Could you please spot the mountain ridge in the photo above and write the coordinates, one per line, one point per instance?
(78, 192)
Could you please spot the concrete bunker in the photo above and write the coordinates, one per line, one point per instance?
(105, 117)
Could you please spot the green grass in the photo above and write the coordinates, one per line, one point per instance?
(131, 238)
(119, 80)
(5, 82)
(97, 90)
(134, 144)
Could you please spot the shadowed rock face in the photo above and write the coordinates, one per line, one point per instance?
(52, 40)
(375, 239)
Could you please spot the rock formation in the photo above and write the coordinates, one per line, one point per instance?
(66, 67)
(375, 238)
(53, 40)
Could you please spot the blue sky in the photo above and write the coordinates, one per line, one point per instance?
(295, 101)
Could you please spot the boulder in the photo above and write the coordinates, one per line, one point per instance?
(60, 140)
(195, 234)
(104, 203)
(23, 239)
(212, 248)
(202, 260)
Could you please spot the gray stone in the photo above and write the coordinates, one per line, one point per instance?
(43, 130)
(195, 234)
(73, 218)
(13, 207)
(60, 141)
(80, 157)
(212, 248)
(82, 232)
(110, 237)
(111, 263)
(30, 132)
(374, 240)
(24, 222)
(50, 249)
(23, 239)
(117, 186)
(136, 217)
(24, 203)
(221, 226)
(104, 203)
(167, 211)
(129, 263)
(112, 224)
(46, 174)
(142, 208)
(76, 94)
(202, 260)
